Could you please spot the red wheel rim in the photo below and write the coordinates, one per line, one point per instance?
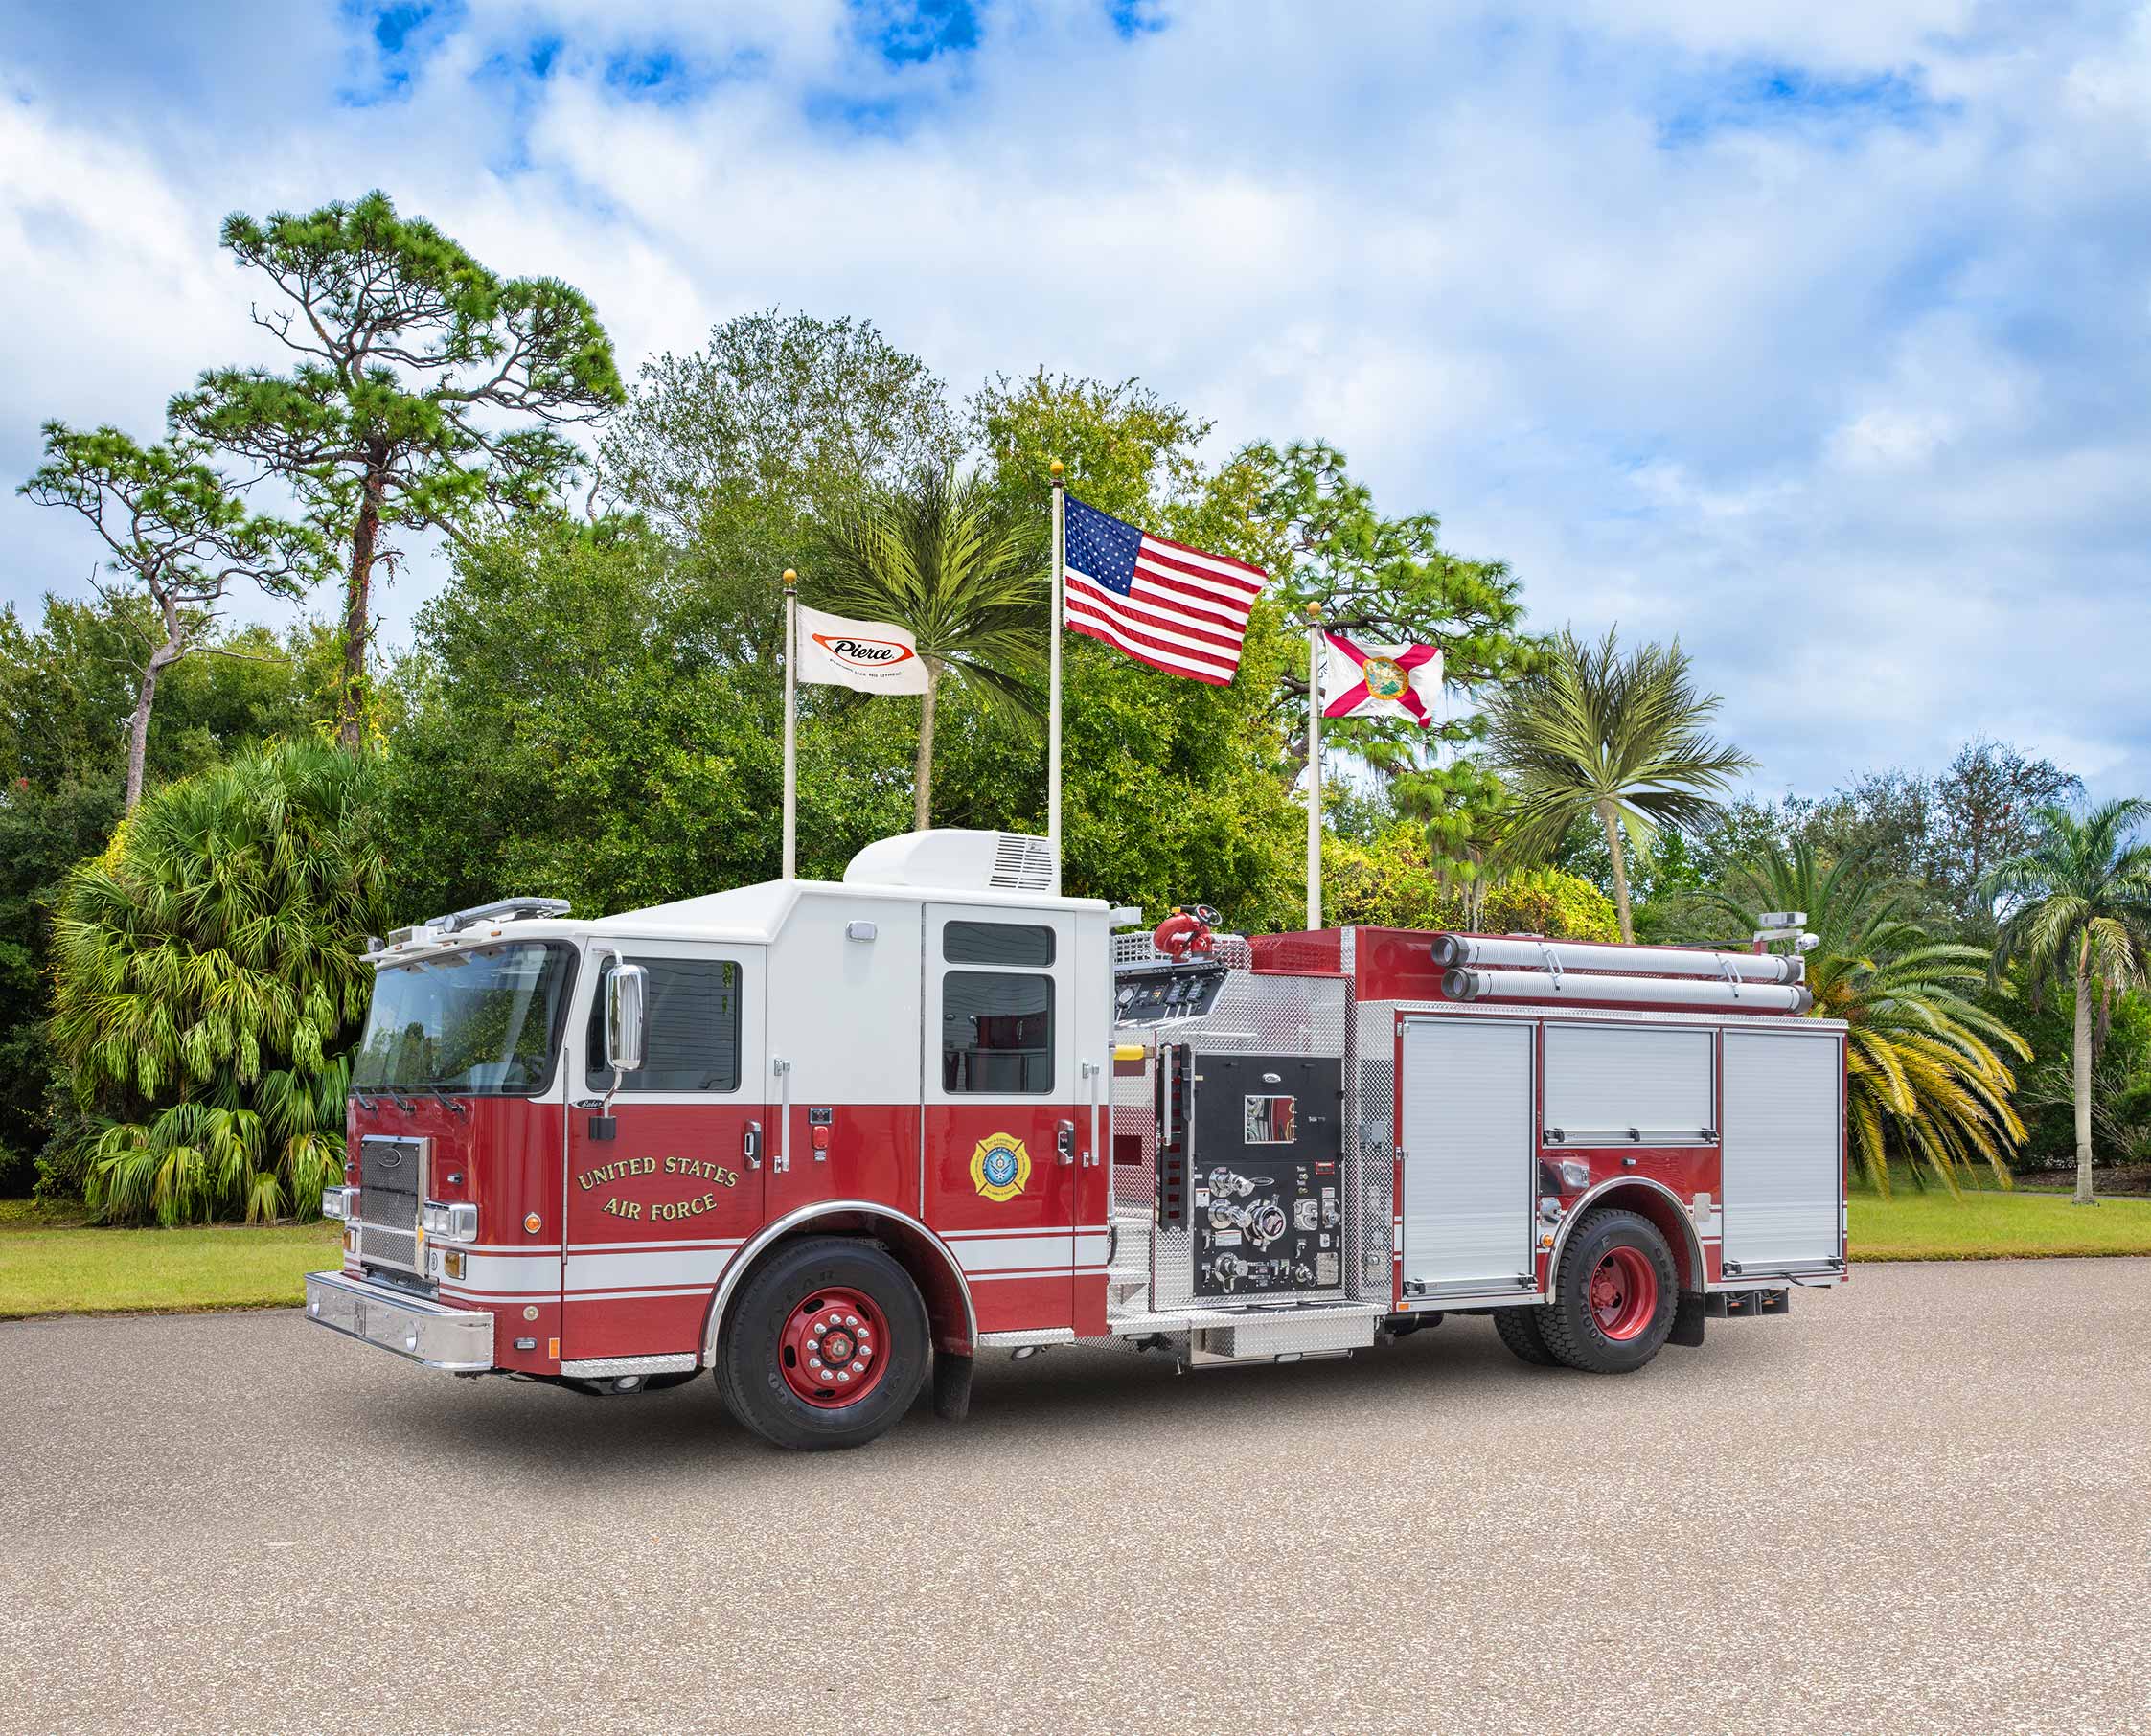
(833, 1349)
(1624, 1292)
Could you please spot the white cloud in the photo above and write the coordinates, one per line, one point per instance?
(1843, 377)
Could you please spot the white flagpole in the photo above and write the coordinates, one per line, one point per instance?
(1313, 766)
(1053, 703)
(790, 726)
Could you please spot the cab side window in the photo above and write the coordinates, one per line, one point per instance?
(694, 1028)
(996, 1025)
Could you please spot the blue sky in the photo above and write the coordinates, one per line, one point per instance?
(1818, 335)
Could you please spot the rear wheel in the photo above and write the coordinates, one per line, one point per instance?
(826, 1346)
(1519, 1328)
(1614, 1294)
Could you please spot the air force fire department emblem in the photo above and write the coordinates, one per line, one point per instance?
(1000, 1167)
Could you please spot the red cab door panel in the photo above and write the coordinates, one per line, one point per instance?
(661, 1194)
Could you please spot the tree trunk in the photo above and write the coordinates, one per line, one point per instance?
(2084, 1084)
(1608, 816)
(358, 591)
(138, 726)
(922, 782)
(173, 647)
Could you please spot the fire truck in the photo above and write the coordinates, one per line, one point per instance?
(831, 1141)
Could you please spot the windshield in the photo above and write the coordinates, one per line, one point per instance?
(479, 1021)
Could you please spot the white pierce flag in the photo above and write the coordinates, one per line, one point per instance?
(867, 657)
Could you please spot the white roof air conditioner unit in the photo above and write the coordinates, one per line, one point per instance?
(954, 861)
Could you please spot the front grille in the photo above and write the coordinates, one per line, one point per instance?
(390, 1185)
(378, 1247)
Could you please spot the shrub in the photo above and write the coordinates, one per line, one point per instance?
(208, 984)
(1392, 883)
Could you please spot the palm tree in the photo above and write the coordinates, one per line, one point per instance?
(1922, 1073)
(2079, 909)
(943, 561)
(209, 983)
(1594, 732)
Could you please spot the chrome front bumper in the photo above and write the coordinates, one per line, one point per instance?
(456, 1340)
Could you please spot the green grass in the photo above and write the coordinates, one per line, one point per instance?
(62, 1267)
(1987, 1224)
(51, 1263)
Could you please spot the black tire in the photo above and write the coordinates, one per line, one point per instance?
(1572, 1327)
(1519, 1328)
(751, 1370)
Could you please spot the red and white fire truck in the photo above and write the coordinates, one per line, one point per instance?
(830, 1140)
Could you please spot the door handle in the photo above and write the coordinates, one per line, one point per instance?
(1064, 1143)
(751, 1145)
(1094, 1071)
(783, 1070)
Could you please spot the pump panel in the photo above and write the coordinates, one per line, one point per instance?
(1266, 1191)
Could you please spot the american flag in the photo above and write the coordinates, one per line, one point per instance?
(1164, 604)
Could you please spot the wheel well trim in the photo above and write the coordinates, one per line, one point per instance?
(803, 1218)
(1593, 1196)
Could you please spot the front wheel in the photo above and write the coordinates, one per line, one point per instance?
(827, 1345)
(1614, 1294)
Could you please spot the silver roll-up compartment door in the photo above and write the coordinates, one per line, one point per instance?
(1469, 1152)
(1632, 1084)
(1784, 1150)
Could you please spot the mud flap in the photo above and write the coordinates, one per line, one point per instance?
(951, 1386)
(1688, 1319)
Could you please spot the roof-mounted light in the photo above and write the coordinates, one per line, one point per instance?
(503, 909)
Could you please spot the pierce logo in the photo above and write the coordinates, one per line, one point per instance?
(864, 654)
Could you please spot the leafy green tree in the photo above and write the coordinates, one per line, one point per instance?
(628, 758)
(174, 527)
(209, 983)
(1395, 882)
(2078, 905)
(1389, 580)
(945, 561)
(1943, 832)
(426, 389)
(1924, 1080)
(67, 691)
(735, 451)
(1621, 738)
(1174, 788)
(44, 831)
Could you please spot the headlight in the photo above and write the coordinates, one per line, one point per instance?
(456, 1222)
(1574, 1173)
(337, 1202)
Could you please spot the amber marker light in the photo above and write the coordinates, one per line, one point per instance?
(534, 1223)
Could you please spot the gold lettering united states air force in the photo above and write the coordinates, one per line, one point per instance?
(657, 1211)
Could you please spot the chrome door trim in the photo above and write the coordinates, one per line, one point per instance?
(735, 1269)
(1574, 1216)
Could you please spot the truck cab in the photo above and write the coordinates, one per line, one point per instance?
(570, 1142)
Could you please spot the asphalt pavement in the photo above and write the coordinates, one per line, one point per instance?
(1922, 1503)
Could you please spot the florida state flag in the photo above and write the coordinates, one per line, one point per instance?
(1380, 680)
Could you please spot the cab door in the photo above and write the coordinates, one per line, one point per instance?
(662, 1192)
(1005, 1108)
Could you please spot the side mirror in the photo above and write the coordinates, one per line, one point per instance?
(627, 992)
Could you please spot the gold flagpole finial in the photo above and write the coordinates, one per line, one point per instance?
(791, 578)
(1053, 469)
(1314, 611)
